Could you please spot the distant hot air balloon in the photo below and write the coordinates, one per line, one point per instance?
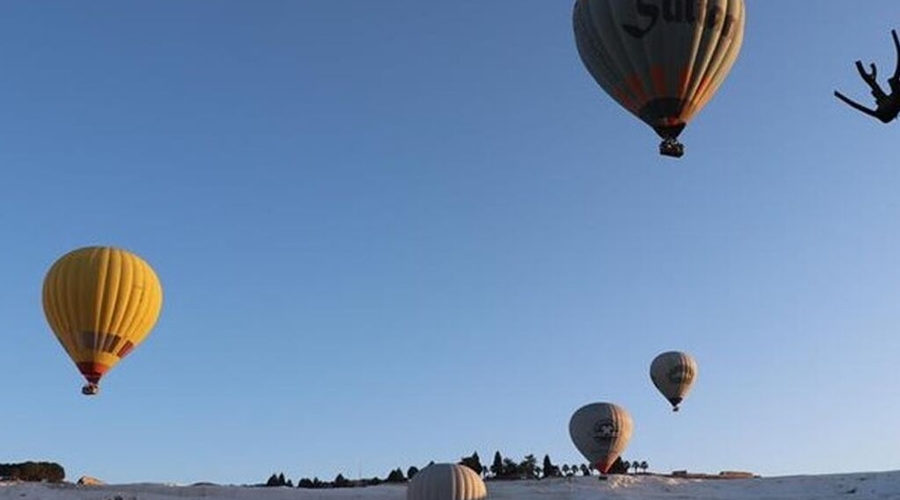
(601, 432)
(662, 60)
(673, 373)
(446, 482)
(101, 302)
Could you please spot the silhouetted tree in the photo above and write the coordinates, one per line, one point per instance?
(341, 482)
(510, 469)
(497, 466)
(412, 471)
(644, 466)
(396, 476)
(585, 470)
(550, 470)
(472, 462)
(279, 480)
(527, 467)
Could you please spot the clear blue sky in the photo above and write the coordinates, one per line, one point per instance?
(398, 231)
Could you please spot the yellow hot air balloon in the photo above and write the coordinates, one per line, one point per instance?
(662, 60)
(101, 302)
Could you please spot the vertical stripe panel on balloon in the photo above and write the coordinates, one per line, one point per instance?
(131, 320)
(65, 310)
(75, 307)
(151, 302)
(106, 291)
(638, 77)
(88, 299)
(604, 26)
(139, 286)
(590, 48)
(731, 41)
(98, 293)
(687, 77)
(717, 69)
(723, 50)
(123, 296)
(702, 57)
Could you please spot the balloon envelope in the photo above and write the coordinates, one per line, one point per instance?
(601, 432)
(446, 482)
(673, 373)
(101, 302)
(662, 60)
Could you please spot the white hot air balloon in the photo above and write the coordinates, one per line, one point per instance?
(446, 481)
(661, 60)
(601, 432)
(673, 373)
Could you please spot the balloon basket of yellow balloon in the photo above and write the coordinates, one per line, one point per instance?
(671, 147)
(90, 389)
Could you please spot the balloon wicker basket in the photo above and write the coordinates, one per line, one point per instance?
(90, 389)
(671, 147)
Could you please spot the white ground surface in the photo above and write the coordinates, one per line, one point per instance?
(861, 486)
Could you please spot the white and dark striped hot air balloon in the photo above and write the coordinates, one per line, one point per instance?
(601, 432)
(446, 482)
(674, 373)
(662, 60)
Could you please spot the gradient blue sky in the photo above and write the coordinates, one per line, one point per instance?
(396, 231)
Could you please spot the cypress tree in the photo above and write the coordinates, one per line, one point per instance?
(497, 466)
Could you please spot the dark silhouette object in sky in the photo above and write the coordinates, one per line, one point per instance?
(887, 105)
